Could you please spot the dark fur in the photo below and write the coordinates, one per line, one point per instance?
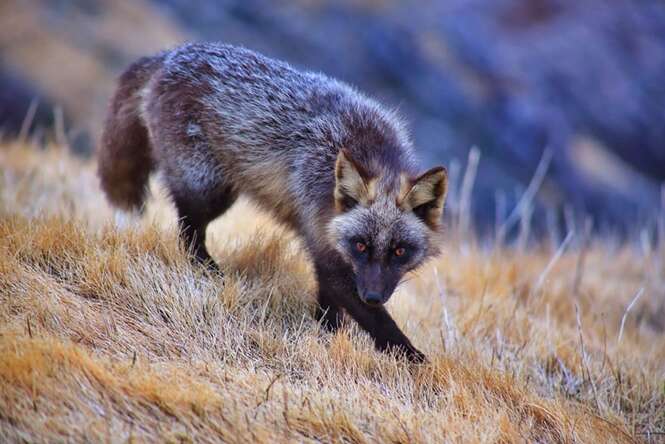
(219, 121)
(125, 160)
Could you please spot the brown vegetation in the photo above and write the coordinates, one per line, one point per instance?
(108, 333)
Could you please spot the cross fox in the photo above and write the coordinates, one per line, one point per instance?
(219, 121)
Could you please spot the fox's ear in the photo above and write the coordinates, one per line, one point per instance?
(426, 195)
(352, 186)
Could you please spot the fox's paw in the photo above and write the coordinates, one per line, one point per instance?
(212, 267)
(408, 351)
(416, 356)
(208, 264)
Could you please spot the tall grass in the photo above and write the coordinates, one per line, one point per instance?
(107, 333)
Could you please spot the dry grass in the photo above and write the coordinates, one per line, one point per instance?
(108, 333)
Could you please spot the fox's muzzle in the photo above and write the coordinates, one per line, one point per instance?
(375, 284)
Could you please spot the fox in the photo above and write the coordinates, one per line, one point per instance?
(219, 121)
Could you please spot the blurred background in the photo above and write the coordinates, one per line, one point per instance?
(577, 88)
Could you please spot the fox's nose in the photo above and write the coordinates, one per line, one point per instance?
(373, 298)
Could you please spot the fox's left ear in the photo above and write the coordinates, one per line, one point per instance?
(352, 184)
(426, 195)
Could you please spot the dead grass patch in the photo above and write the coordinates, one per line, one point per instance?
(108, 333)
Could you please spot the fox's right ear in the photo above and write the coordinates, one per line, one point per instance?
(426, 194)
(352, 186)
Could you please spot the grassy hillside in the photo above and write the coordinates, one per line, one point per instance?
(108, 333)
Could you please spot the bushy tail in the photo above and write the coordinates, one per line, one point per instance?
(125, 157)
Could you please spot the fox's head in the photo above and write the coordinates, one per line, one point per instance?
(386, 225)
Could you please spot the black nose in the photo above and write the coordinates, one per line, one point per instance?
(373, 298)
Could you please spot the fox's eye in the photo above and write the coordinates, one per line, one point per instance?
(361, 247)
(400, 251)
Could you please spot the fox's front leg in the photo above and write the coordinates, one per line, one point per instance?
(337, 289)
(328, 313)
(383, 329)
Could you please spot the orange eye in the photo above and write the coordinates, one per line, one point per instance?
(400, 251)
(361, 247)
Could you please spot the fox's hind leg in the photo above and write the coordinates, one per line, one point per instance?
(194, 215)
(196, 184)
(189, 162)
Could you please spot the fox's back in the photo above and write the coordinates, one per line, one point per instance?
(275, 131)
(253, 101)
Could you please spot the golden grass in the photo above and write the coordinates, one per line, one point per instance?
(107, 333)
